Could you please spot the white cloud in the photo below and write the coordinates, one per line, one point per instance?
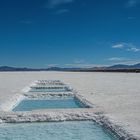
(55, 3)
(126, 46)
(118, 46)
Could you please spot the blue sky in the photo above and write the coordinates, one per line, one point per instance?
(69, 33)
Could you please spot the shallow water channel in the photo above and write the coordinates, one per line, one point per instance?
(85, 130)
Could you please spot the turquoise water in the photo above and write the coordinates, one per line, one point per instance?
(49, 90)
(28, 105)
(54, 131)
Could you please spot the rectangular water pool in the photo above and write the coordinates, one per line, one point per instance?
(54, 131)
(33, 104)
(49, 90)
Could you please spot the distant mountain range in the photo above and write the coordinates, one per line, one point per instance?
(7, 68)
(118, 67)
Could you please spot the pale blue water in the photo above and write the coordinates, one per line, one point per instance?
(48, 90)
(28, 105)
(54, 131)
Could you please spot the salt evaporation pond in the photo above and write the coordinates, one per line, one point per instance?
(48, 90)
(57, 131)
(29, 105)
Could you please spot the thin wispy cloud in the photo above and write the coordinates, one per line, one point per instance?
(131, 18)
(117, 59)
(84, 65)
(127, 47)
(132, 3)
(56, 3)
(127, 62)
(53, 65)
(118, 46)
(62, 11)
(25, 21)
(133, 49)
(79, 61)
(123, 60)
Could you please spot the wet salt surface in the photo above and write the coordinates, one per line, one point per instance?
(54, 131)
